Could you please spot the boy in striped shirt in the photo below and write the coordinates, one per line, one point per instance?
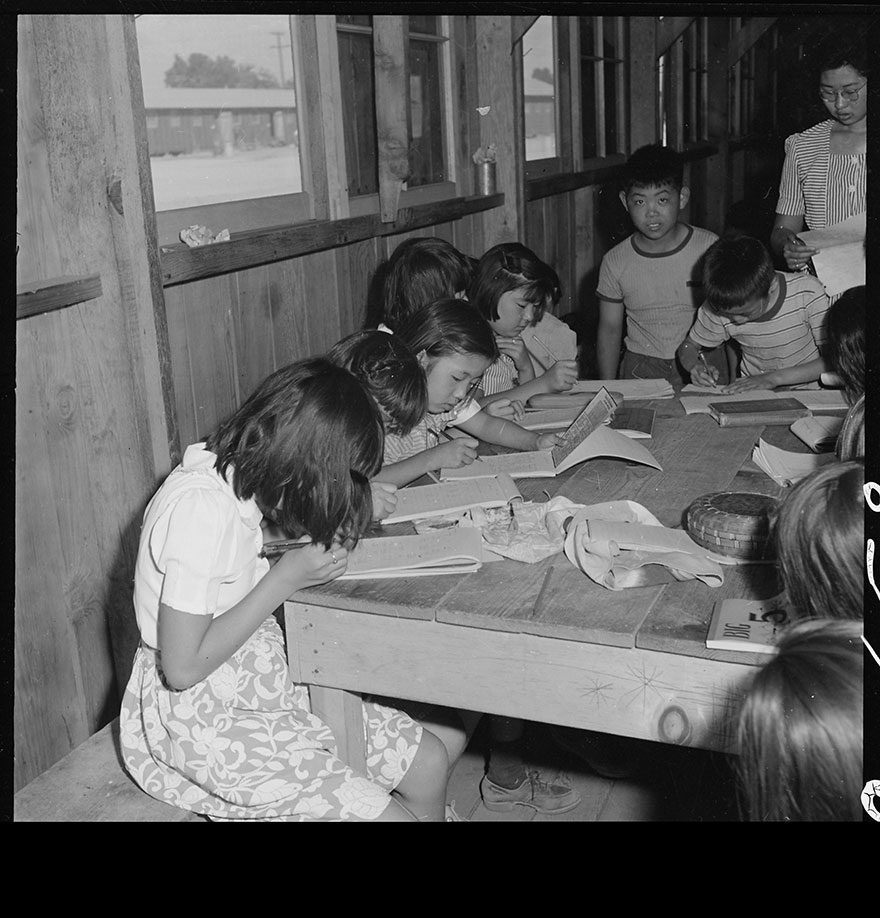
(777, 319)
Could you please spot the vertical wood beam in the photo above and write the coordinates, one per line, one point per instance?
(718, 98)
(499, 86)
(392, 110)
(642, 82)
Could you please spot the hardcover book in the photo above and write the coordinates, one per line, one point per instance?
(758, 412)
(747, 624)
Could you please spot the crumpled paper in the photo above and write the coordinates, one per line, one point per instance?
(486, 155)
(534, 532)
(195, 236)
(612, 554)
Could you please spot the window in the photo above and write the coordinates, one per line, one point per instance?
(539, 90)
(427, 147)
(682, 81)
(603, 56)
(222, 121)
(752, 110)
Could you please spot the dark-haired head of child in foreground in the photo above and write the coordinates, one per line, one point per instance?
(390, 372)
(800, 733)
(777, 319)
(819, 534)
(304, 445)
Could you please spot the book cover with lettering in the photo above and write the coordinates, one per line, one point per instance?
(747, 624)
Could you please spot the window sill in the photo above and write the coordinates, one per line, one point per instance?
(595, 172)
(180, 264)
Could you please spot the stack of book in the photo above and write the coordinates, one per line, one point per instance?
(785, 467)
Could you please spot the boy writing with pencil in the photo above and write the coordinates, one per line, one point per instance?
(650, 283)
(776, 318)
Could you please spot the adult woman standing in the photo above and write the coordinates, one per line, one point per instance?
(824, 173)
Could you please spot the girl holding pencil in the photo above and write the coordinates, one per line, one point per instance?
(455, 346)
(210, 720)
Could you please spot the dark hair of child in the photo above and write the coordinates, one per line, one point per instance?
(819, 535)
(389, 371)
(449, 326)
(800, 731)
(304, 445)
(419, 271)
(512, 266)
(736, 269)
(845, 342)
(654, 166)
(851, 439)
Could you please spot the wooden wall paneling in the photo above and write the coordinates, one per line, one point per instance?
(563, 259)
(208, 308)
(290, 312)
(107, 438)
(321, 289)
(253, 324)
(50, 715)
(356, 265)
(497, 64)
(39, 254)
(184, 394)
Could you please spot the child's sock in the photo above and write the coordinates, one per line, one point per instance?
(506, 765)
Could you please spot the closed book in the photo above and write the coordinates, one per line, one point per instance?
(747, 624)
(758, 412)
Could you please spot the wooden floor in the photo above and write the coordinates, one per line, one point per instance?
(672, 784)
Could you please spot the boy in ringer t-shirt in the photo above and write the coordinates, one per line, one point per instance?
(777, 319)
(650, 284)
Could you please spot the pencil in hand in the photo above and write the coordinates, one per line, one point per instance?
(271, 549)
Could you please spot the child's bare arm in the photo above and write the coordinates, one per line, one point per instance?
(608, 337)
(450, 454)
(507, 433)
(789, 376)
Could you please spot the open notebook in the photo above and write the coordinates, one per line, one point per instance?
(448, 497)
(458, 550)
(785, 467)
(587, 437)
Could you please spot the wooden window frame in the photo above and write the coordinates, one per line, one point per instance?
(367, 204)
(250, 214)
(685, 60)
(552, 165)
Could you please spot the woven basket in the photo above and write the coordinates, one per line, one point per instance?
(735, 524)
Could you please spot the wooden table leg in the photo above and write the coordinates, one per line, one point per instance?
(342, 711)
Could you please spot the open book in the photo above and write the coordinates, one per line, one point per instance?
(448, 497)
(785, 467)
(458, 550)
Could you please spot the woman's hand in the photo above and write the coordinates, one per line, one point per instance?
(384, 499)
(508, 409)
(561, 376)
(796, 253)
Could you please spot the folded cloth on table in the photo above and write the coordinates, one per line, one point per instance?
(611, 542)
(526, 531)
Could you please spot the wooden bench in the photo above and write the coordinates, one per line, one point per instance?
(90, 785)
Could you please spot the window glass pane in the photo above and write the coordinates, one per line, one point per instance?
(425, 25)
(221, 107)
(426, 115)
(359, 112)
(354, 20)
(539, 84)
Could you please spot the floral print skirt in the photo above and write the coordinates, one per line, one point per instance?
(243, 743)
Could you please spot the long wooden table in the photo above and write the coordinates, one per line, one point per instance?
(631, 662)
